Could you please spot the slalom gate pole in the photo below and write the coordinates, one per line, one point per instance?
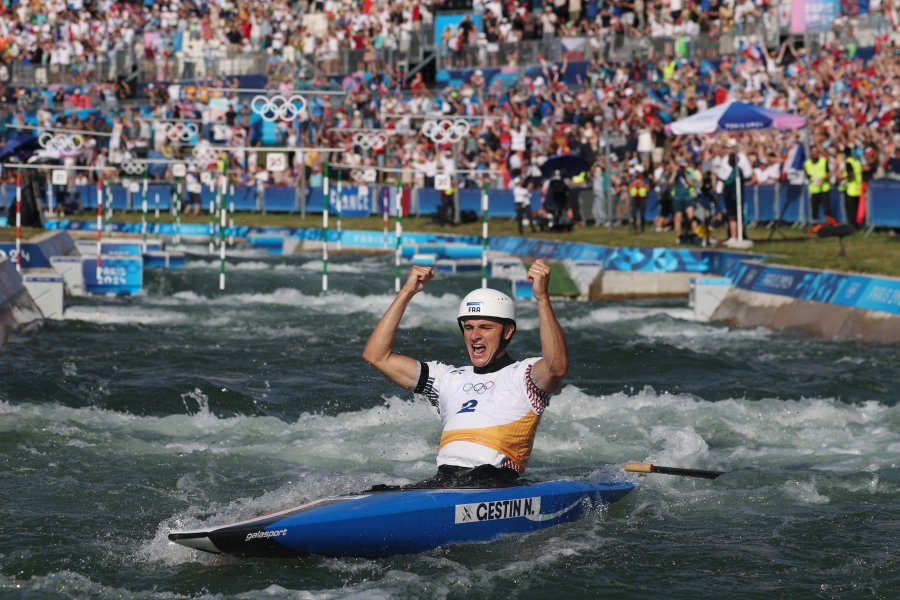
(484, 233)
(109, 208)
(231, 216)
(144, 214)
(51, 203)
(18, 222)
(325, 206)
(223, 213)
(384, 212)
(339, 206)
(212, 215)
(99, 228)
(156, 216)
(398, 233)
(179, 191)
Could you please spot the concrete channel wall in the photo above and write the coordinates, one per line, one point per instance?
(16, 304)
(820, 303)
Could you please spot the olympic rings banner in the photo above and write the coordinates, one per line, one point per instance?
(64, 143)
(446, 131)
(185, 132)
(278, 107)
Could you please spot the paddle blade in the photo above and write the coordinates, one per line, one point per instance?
(648, 468)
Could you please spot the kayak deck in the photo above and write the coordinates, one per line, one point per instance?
(383, 523)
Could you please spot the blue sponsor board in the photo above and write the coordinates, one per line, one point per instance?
(856, 291)
(118, 274)
(33, 256)
(167, 229)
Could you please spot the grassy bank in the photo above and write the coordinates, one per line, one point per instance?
(875, 254)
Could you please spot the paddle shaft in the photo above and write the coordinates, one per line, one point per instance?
(648, 468)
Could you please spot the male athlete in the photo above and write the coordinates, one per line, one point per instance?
(490, 410)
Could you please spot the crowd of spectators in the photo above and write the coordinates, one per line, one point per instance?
(80, 37)
(614, 116)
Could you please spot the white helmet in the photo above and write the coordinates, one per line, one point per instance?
(485, 302)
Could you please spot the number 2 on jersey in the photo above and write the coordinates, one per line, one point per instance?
(468, 406)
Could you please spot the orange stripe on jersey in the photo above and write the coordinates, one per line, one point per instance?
(513, 440)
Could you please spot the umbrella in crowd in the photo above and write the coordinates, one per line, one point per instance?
(735, 117)
(568, 165)
(20, 147)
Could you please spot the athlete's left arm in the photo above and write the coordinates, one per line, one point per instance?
(548, 372)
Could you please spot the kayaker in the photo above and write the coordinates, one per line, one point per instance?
(491, 409)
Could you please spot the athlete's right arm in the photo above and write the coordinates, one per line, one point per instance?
(379, 350)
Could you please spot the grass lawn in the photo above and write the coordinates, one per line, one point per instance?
(875, 254)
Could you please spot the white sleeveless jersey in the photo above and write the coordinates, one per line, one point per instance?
(488, 418)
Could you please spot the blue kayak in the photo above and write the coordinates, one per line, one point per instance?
(382, 523)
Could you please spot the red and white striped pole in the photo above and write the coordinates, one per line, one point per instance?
(99, 227)
(18, 222)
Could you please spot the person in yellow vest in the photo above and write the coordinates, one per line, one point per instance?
(580, 197)
(816, 167)
(638, 191)
(851, 185)
(491, 409)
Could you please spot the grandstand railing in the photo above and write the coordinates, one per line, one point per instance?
(100, 70)
(763, 203)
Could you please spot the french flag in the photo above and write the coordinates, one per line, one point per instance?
(795, 158)
(753, 52)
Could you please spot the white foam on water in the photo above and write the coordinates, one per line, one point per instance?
(122, 315)
(820, 433)
(358, 268)
(804, 492)
(201, 251)
(214, 264)
(699, 335)
(419, 314)
(621, 314)
(69, 584)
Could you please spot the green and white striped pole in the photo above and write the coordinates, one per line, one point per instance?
(325, 207)
(231, 215)
(223, 188)
(179, 192)
(213, 188)
(109, 208)
(484, 233)
(398, 232)
(339, 205)
(156, 216)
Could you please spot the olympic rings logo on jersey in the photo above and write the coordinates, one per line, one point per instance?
(132, 168)
(445, 130)
(181, 132)
(478, 388)
(61, 142)
(368, 141)
(278, 107)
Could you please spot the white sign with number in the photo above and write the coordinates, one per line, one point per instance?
(134, 187)
(276, 162)
(442, 181)
(206, 178)
(369, 176)
(179, 170)
(59, 177)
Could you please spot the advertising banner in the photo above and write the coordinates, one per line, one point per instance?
(118, 275)
(813, 16)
